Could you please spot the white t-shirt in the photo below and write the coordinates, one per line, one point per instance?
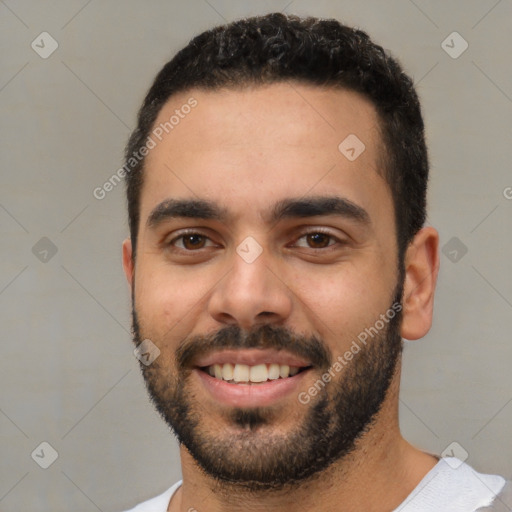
(450, 486)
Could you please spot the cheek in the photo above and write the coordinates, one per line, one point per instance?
(168, 299)
(342, 302)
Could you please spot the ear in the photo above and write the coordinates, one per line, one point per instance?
(421, 269)
(128, 264)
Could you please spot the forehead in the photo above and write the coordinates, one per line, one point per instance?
(263, 144)
(288, 113)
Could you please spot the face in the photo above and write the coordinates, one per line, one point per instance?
(265, 255)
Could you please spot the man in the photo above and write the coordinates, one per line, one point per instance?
(276, 186)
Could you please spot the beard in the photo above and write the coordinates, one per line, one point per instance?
(256, 456)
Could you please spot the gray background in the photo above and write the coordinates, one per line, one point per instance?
(68, 374)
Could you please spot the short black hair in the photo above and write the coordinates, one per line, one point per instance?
(277, 48)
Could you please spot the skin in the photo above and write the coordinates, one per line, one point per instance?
(247, 150)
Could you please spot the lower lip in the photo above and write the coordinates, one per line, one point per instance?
(250, 395)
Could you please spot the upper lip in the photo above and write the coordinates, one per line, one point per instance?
(251, 357)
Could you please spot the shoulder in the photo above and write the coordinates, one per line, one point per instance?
(503, 500)
(454, 485)
(159, 503)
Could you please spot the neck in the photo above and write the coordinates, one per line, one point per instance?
(377, 476)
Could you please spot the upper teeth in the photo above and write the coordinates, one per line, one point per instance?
(256, 373)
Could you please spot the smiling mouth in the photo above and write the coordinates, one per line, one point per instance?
(246, 374)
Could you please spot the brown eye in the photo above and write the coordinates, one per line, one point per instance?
(191, 242)
(318, 240)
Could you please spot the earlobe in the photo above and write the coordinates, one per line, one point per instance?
(421, 269)
(128, 261)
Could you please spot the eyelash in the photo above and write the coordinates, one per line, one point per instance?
(303, 234)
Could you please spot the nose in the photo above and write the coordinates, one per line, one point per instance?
(251, 294)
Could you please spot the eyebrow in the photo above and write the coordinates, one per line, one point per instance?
(284, 209)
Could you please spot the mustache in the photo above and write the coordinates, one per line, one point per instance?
(263, 337)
